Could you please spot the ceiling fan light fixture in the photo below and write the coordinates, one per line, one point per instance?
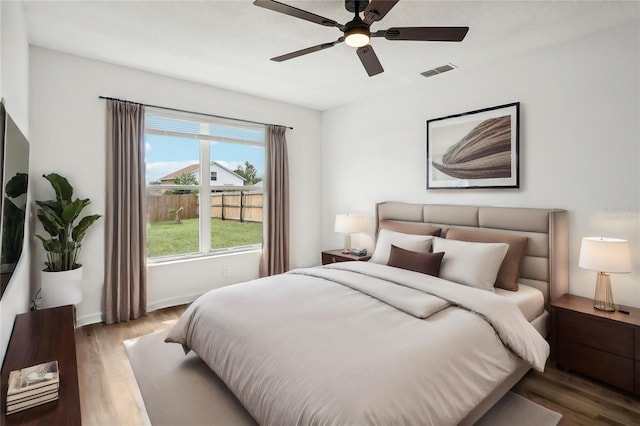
(357, 39)
(356, 33)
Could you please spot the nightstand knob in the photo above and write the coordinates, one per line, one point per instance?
(333, 259)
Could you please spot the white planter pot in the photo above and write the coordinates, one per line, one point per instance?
(61, 288)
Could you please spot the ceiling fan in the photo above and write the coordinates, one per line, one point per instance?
(357, 32)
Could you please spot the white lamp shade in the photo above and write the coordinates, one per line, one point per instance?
(349, 223)
(609, 255)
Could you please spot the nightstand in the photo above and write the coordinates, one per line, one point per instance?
(598, 344)
(333, 256)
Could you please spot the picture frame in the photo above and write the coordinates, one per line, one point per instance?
(475, 149)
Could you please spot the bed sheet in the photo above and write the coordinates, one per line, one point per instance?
(529, 300)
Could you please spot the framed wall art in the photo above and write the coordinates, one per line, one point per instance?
(476, 149)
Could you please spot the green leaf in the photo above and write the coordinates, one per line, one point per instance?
(17, 185)
(50, 222)
(11, 211)
(81, 229)
(72, 210)
(52, 204)
(62, 187)
(13, 232)
(50, 245)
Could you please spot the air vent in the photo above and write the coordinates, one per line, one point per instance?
(439, 70)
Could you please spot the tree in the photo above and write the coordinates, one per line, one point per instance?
(248, 173)
(184, 179)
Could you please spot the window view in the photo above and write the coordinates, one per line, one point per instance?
(191, 216)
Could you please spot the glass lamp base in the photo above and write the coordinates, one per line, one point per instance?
(603, 299)
(347, 244)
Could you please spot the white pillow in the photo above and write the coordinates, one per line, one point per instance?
(472, 264)
(419, 243)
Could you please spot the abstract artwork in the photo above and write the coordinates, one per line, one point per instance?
(476, 149)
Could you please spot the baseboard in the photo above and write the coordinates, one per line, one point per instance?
(89, 319)
(172, 301)
(159, 304)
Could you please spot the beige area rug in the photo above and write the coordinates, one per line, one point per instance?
(182, 390)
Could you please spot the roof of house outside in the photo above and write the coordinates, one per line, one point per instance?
(194, 168)
(189, 169)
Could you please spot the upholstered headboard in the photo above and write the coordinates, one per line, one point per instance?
(546, 261)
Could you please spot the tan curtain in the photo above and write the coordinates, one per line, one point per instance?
(275, 247)
(125, 268)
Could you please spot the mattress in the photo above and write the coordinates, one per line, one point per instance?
(359, 343)
(529, 300)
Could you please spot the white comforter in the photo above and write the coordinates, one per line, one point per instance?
(358, 343)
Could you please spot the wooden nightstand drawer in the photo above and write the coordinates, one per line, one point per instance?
(638, 348)
(601, 365)
(332, 258)
(596, 333)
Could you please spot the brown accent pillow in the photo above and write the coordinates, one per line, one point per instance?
(426, 263)
(510, 269)
(415, 228)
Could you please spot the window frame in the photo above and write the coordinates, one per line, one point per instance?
(204, 174)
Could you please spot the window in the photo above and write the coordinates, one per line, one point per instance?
(204, 184)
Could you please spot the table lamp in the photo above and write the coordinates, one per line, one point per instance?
(348, 224)
(604, 255)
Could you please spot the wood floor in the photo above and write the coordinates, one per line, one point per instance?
(109, 394)
(108, 391)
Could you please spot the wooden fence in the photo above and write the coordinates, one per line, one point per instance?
(158, 206)
(244, 206)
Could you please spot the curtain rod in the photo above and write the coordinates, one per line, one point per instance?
(193, 112)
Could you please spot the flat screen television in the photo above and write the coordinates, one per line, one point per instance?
(14, 160)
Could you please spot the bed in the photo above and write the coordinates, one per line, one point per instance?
(367, 343)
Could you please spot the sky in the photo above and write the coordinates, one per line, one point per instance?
(166, 154)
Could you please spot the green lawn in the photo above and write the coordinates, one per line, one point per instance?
(168, 238)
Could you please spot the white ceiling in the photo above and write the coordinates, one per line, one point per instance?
(228, 43)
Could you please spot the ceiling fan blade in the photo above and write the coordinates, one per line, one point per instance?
(377, 9)
(297, 13)
(370, 60)
(423, 33)
(307, 50)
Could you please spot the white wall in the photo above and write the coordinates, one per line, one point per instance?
(14, 89)
(224, 176)
(15, 63)
(579, 143)
(68, 136)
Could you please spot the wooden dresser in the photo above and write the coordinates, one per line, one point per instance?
(602, 345)
(41, 336)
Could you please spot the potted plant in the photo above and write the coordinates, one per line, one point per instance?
(62, 277)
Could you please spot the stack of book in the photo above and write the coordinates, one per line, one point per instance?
(32, 386)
